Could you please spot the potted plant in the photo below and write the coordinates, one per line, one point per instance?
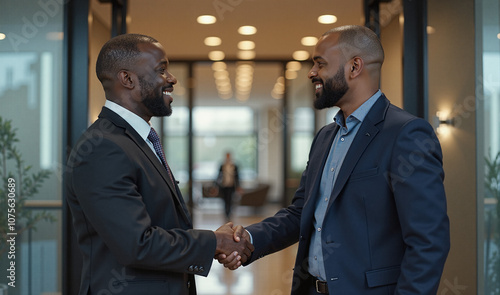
(17, 184)
(492, 266)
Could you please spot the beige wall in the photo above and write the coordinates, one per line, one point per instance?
(99, 34)
(451, 89)
(392, 70)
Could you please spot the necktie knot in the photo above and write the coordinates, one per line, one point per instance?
(153, 137)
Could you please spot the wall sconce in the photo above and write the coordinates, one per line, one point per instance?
(442, 123)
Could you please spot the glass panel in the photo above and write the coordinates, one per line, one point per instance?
(237, 111)
(488, 27)
(218, 130)
(301, 118)
(175, 128)
(31, 51)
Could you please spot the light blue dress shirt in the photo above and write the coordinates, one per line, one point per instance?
(340, 146)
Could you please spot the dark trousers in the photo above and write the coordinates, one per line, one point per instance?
(227, 195)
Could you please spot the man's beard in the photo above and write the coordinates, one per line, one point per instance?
(333, 90)
(153, 101)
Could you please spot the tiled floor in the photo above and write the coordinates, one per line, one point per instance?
(270, 275)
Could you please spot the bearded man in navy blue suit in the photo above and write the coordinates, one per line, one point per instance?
(370, 212)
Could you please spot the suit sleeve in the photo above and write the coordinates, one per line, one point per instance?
(104, 182)
(417, 182)
(283, 229)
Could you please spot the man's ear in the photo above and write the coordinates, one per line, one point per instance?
(126, 79)
(356, 67)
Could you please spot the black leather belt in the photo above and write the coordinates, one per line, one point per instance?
(321, 286)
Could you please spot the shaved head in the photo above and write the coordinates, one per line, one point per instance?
(358, 41)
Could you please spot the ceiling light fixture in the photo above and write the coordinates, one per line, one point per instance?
(300, 55)
(247, 30)
(2, 36)
(309, 41)
(216, 55)
(206, 19)
(213, 41)
(246, 54)
(293, 65)
(246, 45)
(327, 19)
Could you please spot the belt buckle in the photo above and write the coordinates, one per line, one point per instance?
(317, 286)
(318, 289)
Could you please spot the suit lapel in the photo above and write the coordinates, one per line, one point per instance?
(139, 141)
(366, 133)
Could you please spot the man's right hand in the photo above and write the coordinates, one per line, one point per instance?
(235, 259)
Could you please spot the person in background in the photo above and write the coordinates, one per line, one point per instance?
(228, 182)
(370, 214)
(130, 219)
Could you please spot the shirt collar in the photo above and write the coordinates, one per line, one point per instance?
(359, 114)
(140, 126)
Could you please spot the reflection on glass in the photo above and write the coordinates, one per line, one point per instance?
(31, 59)
(489, 139)
(218, 130)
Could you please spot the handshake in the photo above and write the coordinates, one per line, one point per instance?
(233, 245)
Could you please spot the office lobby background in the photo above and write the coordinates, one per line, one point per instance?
(49, 93)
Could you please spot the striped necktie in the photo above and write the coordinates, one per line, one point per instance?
(155, 140)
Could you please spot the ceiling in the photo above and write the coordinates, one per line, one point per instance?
(280, 24)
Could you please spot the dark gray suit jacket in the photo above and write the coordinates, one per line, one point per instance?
(131, 222)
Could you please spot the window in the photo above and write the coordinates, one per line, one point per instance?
(31, 57)
(488, 132)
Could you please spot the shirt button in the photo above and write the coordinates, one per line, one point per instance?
(319, 228)
(332, 169)
(315, 258)
(326, 199)
(342, 139)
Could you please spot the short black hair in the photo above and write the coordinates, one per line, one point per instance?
(118, 54)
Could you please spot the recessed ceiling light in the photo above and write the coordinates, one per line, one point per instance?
(246, 45)
(216, 55)
(247, 30)
(206, 19)
(430, 30)
(213, 41)
(327, 19)
(293, 65)
(246, 54)
(498, 35)
(300, 55)
(2, 36)
(309, 41)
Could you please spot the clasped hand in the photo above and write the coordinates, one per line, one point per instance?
(233, 245)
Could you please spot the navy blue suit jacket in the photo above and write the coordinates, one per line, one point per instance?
(386, 230)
